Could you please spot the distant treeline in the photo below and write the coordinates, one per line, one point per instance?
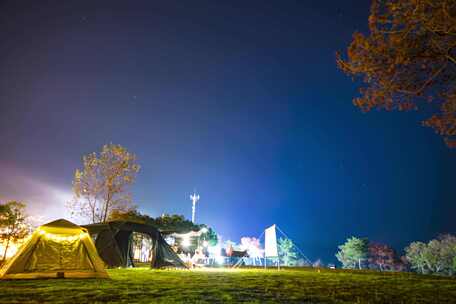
(438, 256)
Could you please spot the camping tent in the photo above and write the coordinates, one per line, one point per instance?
(55, 250)
(114, 244)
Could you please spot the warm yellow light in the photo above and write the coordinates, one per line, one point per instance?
(12, 249)
(13, 246)
(61, 238)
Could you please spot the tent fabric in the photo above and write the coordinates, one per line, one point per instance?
(57, 249)
(113, 242)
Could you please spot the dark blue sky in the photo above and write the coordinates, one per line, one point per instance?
(242, 101)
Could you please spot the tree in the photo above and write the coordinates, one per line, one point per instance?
(12, 224)
(448, 252)
(167, 223)
(130, 215)
(402, 264)
(414, 254)
(210, 236)
(175, 223)
(437, 256)
(100, 188)
(408, 61)
(287, 252)
(454, 264)
(433, 257)
(353, 253)
(382, 257)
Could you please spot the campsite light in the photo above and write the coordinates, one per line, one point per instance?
(220, 259)
(214, 250)
(12, 249)
(186, 241)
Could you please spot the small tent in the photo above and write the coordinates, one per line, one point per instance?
(114, 244)
(59, 249)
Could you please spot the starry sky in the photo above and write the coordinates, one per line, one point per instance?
(241, 100)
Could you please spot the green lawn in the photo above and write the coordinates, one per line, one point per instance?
(142, 285)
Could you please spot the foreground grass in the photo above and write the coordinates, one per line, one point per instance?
(142, 285)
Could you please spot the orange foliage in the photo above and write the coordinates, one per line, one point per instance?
(408, 60)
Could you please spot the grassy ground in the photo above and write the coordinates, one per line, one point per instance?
(142, 285)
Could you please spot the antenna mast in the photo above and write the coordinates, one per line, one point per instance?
(194, 198)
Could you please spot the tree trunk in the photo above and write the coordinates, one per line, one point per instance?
(359, 263)
(92, 209)
(10, 234)
(6, 248)
(108, 201)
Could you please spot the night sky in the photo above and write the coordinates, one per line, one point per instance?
(241, 100)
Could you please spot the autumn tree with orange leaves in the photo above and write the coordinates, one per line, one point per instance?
(408, 61)
(100, 188)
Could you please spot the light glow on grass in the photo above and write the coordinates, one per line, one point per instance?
(225, 285)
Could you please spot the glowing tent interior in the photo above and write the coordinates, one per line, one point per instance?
(59, 249)
(114, 241)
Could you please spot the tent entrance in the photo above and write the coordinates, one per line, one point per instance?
(121, 243)
(142, 247)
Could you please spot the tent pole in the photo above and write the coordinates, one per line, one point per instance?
(299, 249)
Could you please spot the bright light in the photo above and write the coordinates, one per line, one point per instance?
(12, 249)
(186, 241)
(216, 253)
(205, 243)
(220, 259)
(252, 245)
(13, 246)
(170, 240)
(204, 230)
(214, 250)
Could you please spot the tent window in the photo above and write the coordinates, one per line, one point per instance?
(94, 236)
(142, 247)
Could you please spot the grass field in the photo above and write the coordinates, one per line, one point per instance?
(142, 285)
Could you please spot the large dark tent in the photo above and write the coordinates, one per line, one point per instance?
(114, 244)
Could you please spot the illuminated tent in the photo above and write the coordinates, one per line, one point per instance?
(114, 244)
(59, 249)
